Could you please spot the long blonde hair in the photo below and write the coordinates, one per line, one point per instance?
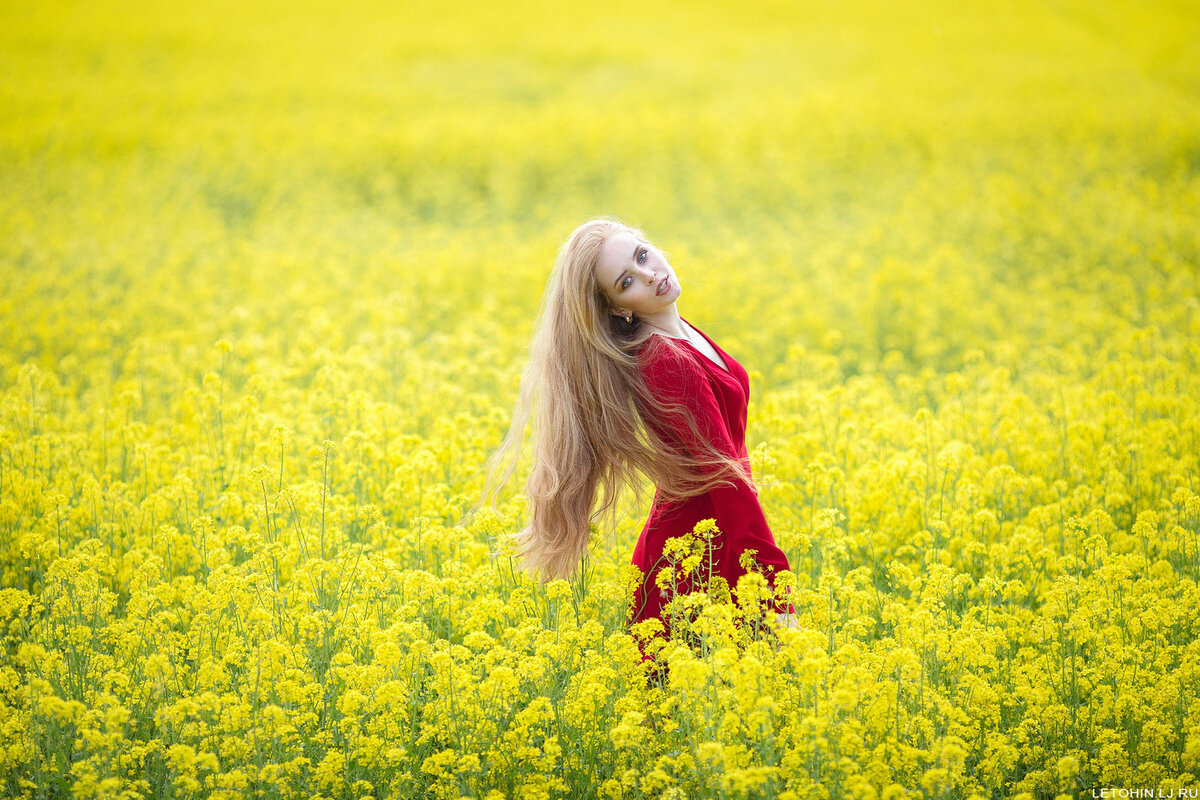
(584, 381)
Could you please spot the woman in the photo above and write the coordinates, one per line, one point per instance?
(627, 388)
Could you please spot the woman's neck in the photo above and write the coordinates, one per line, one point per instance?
(668, 321)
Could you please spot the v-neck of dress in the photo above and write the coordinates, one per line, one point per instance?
(723, 366)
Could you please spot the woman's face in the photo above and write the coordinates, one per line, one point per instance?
(634, 276)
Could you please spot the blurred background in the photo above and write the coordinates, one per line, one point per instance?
(891, 171)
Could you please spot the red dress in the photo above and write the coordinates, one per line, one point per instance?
(718, 398)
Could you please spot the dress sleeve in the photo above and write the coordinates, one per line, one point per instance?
(677, 379)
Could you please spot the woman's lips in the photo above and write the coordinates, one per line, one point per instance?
(663, 285)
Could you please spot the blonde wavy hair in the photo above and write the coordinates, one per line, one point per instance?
(585, 385)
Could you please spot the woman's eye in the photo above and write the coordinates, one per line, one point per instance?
(625, 283)
(642, 256)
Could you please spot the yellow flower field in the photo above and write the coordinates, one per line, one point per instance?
(269, 272)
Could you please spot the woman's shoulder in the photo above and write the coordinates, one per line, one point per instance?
(664, 357)
(659, 348)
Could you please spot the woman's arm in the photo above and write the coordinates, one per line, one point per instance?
(676, 379)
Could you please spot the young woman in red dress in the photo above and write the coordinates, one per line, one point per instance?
(626, 387)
